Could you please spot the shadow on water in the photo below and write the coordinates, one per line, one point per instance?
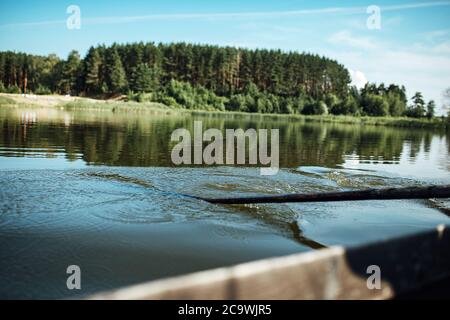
(281, 218)
(285, 222)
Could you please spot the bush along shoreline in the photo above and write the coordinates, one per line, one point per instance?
(146, 105)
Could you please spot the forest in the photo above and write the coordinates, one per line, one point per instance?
(209, 77)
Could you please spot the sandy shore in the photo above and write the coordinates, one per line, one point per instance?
(45, 100)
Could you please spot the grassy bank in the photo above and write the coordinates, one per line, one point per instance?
(77, 103)
(405, 122)
(5, 101)
(117, 106)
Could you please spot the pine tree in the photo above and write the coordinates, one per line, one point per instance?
(417, 109)
(446, 96)
(68, 76)
(145, 79)
(92, 64)
(10, 70)
(116, 78)
(2, 67)
(430, 109)
(133, 55)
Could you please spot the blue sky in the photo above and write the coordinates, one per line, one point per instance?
(411, 48)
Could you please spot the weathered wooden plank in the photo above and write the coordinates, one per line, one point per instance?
(405, 263)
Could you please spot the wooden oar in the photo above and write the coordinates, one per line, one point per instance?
(370, 194)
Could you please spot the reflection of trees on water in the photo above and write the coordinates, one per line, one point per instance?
(328, 144)
(144, 140)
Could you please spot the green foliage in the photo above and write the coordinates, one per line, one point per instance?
(254, 100)
(92, 71)
(393, 95)
(140, 96)
(238, 102)
(42, 90)
(417, 108)
(116, 77)
(69, 74)
(446, 96)
(431, 106)
(115, 106)
(6, 101)
(185, 95)
(347, 106)
(144, 79)
(223, 70)
(396, 104)
(13, 89)
(315, 108)
(374, 105)
(166, 100)
(331, 101)
(208, 77)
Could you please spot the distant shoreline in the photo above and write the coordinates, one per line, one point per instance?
(117, 105)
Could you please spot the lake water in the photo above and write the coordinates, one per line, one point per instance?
(98, 190)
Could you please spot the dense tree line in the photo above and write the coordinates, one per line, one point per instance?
(222, 70)
(384, 101)
(208, 77)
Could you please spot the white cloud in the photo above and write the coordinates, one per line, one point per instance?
(436, 41)
(418, 69)
(346, 38)
(442, 48)
(434, 35)
(422, 66)
(358, 78)
(415, 5)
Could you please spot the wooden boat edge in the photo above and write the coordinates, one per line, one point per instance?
(406, 264)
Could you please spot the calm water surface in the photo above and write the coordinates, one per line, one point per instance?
(98, 190)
